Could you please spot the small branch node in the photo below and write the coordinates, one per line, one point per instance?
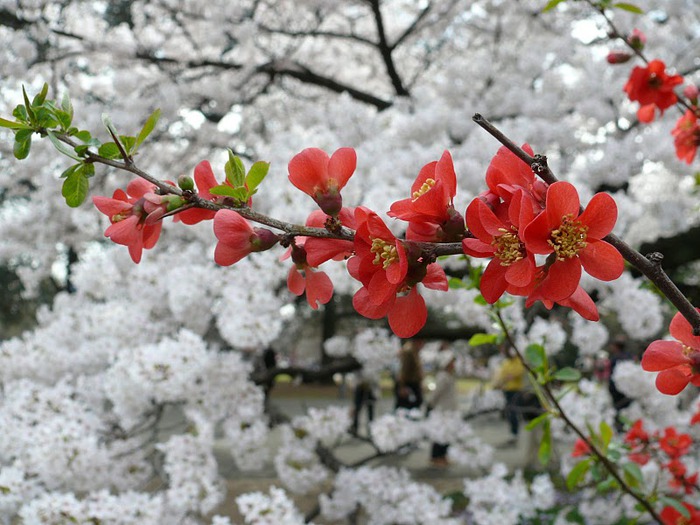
(655, 257)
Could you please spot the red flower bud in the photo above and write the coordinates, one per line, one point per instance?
(618, 57)
(637, 39)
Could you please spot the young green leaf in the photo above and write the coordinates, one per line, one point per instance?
(536, 356)
(482, 339)
(109, 150)
(633, 474)
(28, 107)
(146, 130)
(629, 7)
(567, 374)
(606, 434)
(577, 473)
(235, 170)
(551, 5)
(21, 147)
(70, 169)
(545, 451)
(256, 174)
(75, 188)
(537, 421)
(676, 504)
(12, 125)
(20, 113)
(41, 96)
(60, 146)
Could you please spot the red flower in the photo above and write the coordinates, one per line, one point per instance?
(618, 57)
(389, 271)
(678, 362)
(507, 173)
(237, 238)
(128, 212)
(573, 240)
(321, 177)
(687, 136)
(512, 267)
(581, 448)
(303, 278)
(638, 440)
(652, 88)
(674, 444)
(579, 301)
(671, 516)
(205, 180)
(679, 480)
(430, 210)
(320, 250)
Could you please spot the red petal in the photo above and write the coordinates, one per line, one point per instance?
(562, 280)
(521, 273)
(111, 207)
(435, 278)
(379, 289)
(671, 382)
(408, 314)
(204, 178)
(319, 250)
(295, 281)
(662, 355)
(137, 188)
(308, 170)
(135, 251)
(341, 166)
(646, 113)
(151, 233)
(493, 281)
(125, 232)
(600, 215)
(425, 173)
(536, 234)
(582, 304)
(226, 255)
(680, 329)
(231, 228)
(366, 307)
(319, 288)
(602, 260)
(445, 172)
(477, 248)
(562, 199)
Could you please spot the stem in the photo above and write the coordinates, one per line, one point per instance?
(551, 397)
(650, 268)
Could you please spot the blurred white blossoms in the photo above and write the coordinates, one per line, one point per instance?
(273, 509)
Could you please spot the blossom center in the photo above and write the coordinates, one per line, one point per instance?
(569, 239)
(385, 253)
(425, 188)
(509, 249)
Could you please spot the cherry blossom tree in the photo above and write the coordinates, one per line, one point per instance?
(372, 99)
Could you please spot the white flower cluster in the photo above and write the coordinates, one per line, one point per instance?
(589, 405)
(337, 346)
(466, 448)
(639, 310)
(589, 337)
(296, 462)
(497, 500)
(375, 349)
(550, 334)
(393, 431)
(273, 509)
(386, 495)
(324, 424)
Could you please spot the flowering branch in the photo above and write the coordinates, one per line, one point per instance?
(551, 398)
(650, 266)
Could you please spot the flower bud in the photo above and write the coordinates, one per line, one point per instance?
(691, 93)
(618, 57)
(263, 239)
(185, 182)
(637, 39)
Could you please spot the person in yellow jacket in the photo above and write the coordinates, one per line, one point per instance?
(510, 378)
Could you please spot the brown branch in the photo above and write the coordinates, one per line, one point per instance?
(385, 51)
(651, 269)
(552, 398)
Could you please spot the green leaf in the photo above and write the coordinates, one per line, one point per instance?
(60, 146)
(479, 299)
(75, 188)
(235, 170)
(545, 451)
(455, 283)
(676, 504)
(239, 194)
(633, 474)
(69, 170)
(257, 173)
(567, 374)
(28, 106)
(109, 150)
(536, 356)
(22, 147)
(606, 435)
(45, 118)
(12, 125)
(128, 142)
(551, 5)
(83, 135)
(146, 130)
(537, 421)
(629, 7)
(577, 473)
(41, 96)
(482, 339)
(20, 113)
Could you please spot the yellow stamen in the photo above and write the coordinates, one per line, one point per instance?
(385, 253)
(569, 239)
(509, 249)
(425, 188)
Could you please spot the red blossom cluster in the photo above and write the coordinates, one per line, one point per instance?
(653, 88)
(520, 217)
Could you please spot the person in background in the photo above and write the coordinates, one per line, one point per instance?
(510, 378)
(408, 388)
(365, 394)
(443, 397)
